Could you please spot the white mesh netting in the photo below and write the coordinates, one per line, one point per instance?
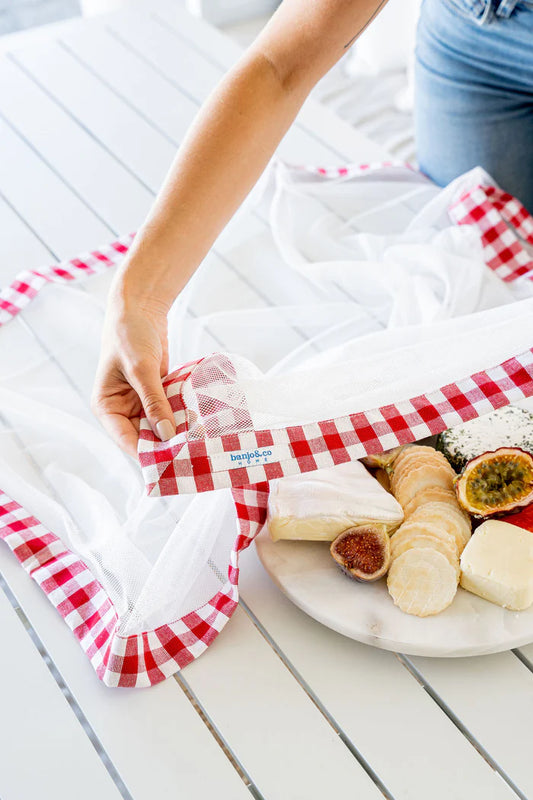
(360, 292)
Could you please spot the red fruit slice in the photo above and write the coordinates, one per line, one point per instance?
(523, 519)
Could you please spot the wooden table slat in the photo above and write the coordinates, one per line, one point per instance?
(380, 708)
(155, 738)
(44, 750)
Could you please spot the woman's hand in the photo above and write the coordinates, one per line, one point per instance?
(133, 359)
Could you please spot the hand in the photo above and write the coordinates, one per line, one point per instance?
(133, 359)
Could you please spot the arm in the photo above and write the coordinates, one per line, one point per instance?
(225, 151)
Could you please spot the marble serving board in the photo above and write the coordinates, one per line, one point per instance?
(307, 574)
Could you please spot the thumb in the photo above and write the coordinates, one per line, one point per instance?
(146, 381)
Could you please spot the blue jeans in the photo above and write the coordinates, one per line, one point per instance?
(474, 91)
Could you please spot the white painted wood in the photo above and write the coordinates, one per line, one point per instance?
(493, 697)
(288, 748)
(129, 72)
(71, 151)
(23, 176)
(146, 153)
(384, 712)
(43, 748)
(19, 247)
(225, 12)
(154, 738)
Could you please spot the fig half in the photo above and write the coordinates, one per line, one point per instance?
(363, 552)
(496, 483)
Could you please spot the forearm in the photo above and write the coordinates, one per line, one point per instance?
(232, 139)
(221, 158)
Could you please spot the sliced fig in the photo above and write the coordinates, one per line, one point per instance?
(363, 552)
(496, 483)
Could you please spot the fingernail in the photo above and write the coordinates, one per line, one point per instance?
(165, 430)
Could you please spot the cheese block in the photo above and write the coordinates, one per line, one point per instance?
(497, 564)
(319, 505)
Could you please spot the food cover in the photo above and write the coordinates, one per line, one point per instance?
(401, 310)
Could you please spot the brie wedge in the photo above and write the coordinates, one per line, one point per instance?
(319, 505)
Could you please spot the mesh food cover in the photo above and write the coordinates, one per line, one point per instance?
(385, 310)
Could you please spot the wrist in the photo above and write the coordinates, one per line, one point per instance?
(130, 292)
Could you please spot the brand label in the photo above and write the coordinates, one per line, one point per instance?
(234, 459)
(262, 456)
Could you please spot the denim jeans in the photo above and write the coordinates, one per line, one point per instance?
(474, 91)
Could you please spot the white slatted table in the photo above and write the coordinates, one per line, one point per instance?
(280, 708)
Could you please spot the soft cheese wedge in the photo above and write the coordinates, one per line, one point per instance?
(319, 505)
(497, 564)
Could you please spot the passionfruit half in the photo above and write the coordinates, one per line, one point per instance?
(363, 552)
(497, 482)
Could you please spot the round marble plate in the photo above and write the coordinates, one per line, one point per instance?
(309, 577)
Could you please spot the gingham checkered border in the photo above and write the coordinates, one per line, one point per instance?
(357, 170)
(15, 297)
(126, 661)
(503, 222)
(182, 465)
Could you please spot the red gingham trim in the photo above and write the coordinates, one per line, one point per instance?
(138, 660)
(502, 219)
(356, 170)
(28, 284)
(184, 466)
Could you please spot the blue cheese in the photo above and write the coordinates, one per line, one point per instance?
(506, 427)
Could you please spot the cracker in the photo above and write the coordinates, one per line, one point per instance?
(422, 582)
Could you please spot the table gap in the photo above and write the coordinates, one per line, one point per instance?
(524, 659)
(124, 99)
(64, 108)
(29, 227)
(56, 173)
(75, 708)
(405, 660)
(374, 777)
(217, 736)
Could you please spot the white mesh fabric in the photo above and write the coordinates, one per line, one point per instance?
(370, 300)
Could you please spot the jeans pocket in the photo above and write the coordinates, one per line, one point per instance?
(472, 9)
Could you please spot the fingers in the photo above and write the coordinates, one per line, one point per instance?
(145, 378)
(124, 431)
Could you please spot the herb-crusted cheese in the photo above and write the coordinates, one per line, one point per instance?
(506, 427)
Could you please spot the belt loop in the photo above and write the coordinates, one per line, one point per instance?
(487, 12)
(505, 8)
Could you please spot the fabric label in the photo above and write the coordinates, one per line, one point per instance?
(253, 457)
